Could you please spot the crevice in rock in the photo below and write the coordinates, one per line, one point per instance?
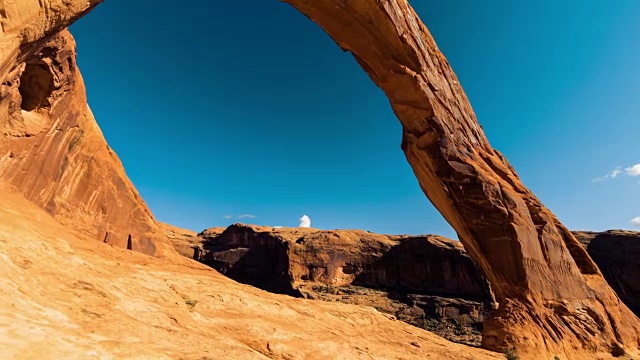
(36, 86)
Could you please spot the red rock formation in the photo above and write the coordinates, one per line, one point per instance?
(186, 242)
(423, 280)
(65, 298)
(51, 148)
(617, 253)
(285, 257)
(553, 299)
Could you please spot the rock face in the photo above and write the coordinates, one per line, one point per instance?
(553, 298)
(617, 253)
(427, 281)
(51, 148)
(285, 257)
(186, 242)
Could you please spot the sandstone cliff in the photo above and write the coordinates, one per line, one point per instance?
(185, 242)
(427, 281)
(553, 298)
(51, 148)
(617, 253)
(287, 256)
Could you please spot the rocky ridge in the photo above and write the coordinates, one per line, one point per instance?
(617, 253)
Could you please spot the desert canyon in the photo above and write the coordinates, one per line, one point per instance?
(87, 271)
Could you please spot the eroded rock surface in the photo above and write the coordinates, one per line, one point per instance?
(553, 299)
(51, 148)
(617, 253)
(90, 300)
(427, 281)
(186, 242)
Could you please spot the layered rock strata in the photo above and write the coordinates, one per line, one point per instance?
(427, 281)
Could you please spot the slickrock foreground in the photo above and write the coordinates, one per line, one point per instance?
(90, 300)
(51, 148)
(553, 299)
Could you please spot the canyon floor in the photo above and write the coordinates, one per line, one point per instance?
(63, 296)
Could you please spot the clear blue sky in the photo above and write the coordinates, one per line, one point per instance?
(246, 107)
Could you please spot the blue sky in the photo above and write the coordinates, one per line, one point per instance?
(226, 108)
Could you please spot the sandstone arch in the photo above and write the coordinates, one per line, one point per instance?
(553, 299)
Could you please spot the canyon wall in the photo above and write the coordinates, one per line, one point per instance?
(427, 281)
(617, 253)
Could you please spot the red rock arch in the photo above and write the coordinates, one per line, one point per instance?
(553, 299)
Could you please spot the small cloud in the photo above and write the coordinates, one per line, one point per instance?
(278, 227)
(305, 221)
(246, 216)
(633, 170)
(613, 174)
(228, 217)
(636, 221)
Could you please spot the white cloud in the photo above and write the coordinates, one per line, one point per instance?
(614, 173)
(246, 216)
(305, 221)
(228, 217)
(278, 227)
(636, 221)
(633, 170)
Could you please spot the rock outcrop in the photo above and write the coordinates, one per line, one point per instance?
(186, 242)
(427, 281)
(553, 298)
(51, 148)
(617, 253)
